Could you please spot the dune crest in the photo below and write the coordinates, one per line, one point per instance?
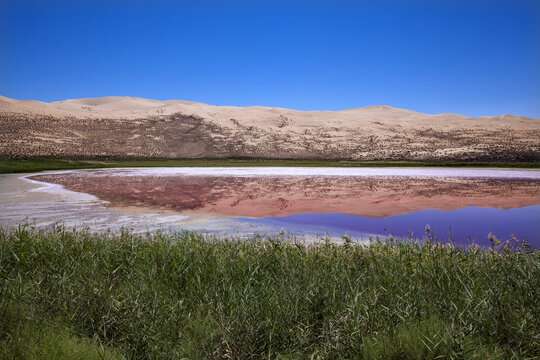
(131, 127)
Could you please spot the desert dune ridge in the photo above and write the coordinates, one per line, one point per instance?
(129, 127)
(133, 107)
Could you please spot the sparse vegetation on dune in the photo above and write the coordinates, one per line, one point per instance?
(39, 164)
(182, 295)
(192, 136)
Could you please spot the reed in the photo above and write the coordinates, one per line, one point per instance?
(185, 295)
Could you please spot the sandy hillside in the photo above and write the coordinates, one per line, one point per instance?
(127, 127)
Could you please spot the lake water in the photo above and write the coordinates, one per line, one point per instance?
(462, 204)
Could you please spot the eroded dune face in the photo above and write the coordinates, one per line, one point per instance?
(267, 196)
(123, 127)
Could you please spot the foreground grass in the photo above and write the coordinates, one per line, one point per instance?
(74, 294)
(33, 165)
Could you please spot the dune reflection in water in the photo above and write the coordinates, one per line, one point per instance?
(467, 206)
(277, 196)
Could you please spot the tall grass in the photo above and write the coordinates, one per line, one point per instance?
(173, 296)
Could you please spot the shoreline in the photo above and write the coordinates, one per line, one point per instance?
(10, 166)
(219, 196)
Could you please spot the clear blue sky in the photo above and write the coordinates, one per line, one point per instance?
(469, 57)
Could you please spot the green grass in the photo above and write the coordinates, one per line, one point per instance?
(76, 294)
(34, 165)
(25, 339)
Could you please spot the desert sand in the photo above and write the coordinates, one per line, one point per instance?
(127, 127)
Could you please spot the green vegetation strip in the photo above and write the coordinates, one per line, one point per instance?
(75, 294)
(34, 165)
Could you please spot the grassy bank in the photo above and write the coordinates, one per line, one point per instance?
(66, 293)
(33, 165)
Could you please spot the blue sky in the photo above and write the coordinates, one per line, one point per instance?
(469, 57)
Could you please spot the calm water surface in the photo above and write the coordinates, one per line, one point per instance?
(463, 226)
(462, 204)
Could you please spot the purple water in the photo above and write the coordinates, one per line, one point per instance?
(463, 226)
(462, 205)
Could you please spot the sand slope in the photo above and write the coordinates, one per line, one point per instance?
(133, 127)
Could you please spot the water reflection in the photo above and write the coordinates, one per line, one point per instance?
(472, 224)
(465, 208)
(272, 196)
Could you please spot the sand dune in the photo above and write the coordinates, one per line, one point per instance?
(133, 107)
(136, 127)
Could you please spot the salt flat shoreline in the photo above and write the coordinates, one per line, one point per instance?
(231, 197)
(308, 171)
